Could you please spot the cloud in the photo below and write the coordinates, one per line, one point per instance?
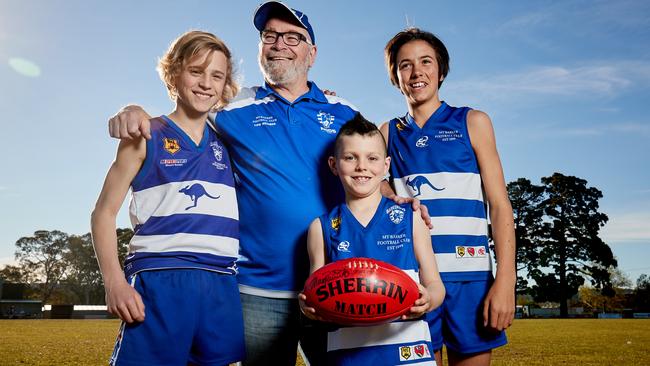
(638, 129)
(599, 80)
(627, 227)
(596, 15)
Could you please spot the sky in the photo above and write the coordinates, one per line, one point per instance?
(565, 83)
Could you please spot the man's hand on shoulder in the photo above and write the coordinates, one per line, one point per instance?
(129, 123)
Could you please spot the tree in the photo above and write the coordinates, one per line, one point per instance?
(123, 238)
(609, 298)
(526, 199)
(14, 274)
(642, 294)
(571, 247)
(42, 256)
(83, 278)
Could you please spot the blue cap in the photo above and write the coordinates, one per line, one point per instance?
(270, 8)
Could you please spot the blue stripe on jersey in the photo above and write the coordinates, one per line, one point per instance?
(388, 355)
(456, 207)
(189, 223)
(448, 243)
(143, 261)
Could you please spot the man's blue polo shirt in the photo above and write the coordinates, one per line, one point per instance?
(279, 151)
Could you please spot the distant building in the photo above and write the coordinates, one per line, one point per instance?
(13, 304)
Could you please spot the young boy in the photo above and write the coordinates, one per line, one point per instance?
(363, 223)
(179, 301)
(447, 158)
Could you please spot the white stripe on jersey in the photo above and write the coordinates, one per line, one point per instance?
(465, 186)
(274, 294)
(452, 225)
(246, 97)
(338, 100)
(448, 262)
(378, 335)
(197, 243)
(413, 274)
(166, 200)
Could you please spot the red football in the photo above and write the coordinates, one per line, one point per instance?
(360, 291)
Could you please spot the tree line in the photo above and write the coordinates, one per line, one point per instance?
(557, 225)
(59, 268)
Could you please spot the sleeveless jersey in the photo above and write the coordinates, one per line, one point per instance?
(437, 165)
(183, 205)
(389, 238)
(279, 151)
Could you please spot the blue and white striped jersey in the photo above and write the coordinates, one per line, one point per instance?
(183, 204)
(389, 238)
(437, 165)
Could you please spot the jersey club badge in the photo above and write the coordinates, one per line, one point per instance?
(171, 145)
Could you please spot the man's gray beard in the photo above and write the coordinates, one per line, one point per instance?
(277, 74)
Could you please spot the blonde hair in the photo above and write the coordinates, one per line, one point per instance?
(188, 45)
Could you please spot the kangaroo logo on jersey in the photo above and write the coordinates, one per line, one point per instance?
(422, 141)
(404, 353)
(171, 145)
(195, 191)
(344, 246)
(417, 182)
(396, 214)
(336, 223)
(326, 120)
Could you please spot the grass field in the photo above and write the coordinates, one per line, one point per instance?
(532, 342)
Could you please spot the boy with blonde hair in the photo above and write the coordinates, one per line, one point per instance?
(178, 296)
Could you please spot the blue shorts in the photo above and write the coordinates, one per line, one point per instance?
(458, 322)
(191, 315)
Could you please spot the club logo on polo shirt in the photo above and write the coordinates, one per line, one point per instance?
(422, 141)
(326, 120)
(396, 214)
(171, 145)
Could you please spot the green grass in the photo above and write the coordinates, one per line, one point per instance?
(532, 342)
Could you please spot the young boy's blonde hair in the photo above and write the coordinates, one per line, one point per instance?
(188, 45)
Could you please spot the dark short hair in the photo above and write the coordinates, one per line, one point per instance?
(413, 34)
(360, 126)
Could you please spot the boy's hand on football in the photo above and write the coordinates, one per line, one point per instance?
(307, 310)
(422, 305)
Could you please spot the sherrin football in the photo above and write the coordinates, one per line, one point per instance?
(360, 291)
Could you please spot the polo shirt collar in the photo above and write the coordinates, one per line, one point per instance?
(314, 93)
